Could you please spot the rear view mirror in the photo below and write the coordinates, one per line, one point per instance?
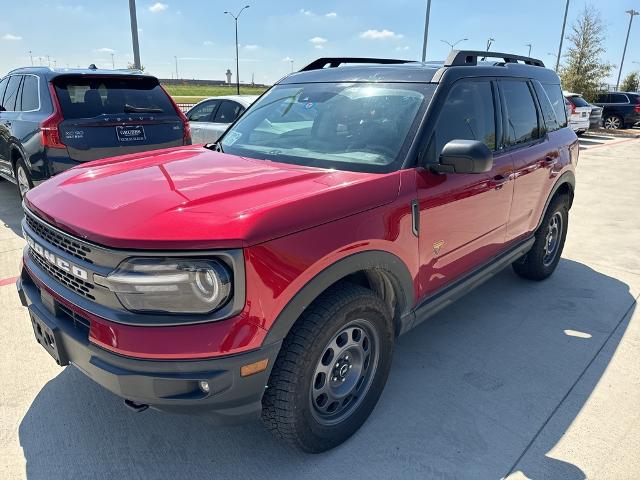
(464, 156)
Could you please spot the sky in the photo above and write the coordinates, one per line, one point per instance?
(274, 32)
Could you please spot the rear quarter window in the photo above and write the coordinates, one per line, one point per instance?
(87, 97)
(554, 93)
(579, 101)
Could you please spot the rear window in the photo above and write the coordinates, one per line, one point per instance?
(578, 101)
(88, 97)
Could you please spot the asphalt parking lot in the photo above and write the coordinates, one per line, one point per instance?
(518, 379)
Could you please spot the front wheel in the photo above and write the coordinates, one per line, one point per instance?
(331, 369)
(612, 122)
(543, 258)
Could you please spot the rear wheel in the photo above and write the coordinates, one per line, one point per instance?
(331, 369)
(543, 258)
(612, 122)
(23, 178)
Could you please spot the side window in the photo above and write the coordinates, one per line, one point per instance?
(522, 116)
(9, 102)
(468, 114)
(203, 112)
(603, 98)
(618, 98)
(30, 97)
(548, 111)
(228, 112)
(3, 87)
(558, 102)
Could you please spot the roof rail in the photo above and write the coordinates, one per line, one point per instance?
(333, 62)
(470, 58)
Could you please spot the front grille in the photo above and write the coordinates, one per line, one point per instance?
(71, 282)
(59, 240)
(78, 321)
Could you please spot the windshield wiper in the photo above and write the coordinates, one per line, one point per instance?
(132, 109)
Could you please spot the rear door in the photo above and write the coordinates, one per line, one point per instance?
(535, 157)
(7, 118)
(114, 115)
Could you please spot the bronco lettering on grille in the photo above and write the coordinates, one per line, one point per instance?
(55, 260)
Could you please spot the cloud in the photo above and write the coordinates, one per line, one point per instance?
(402, 49)
(158, 7)
(318, 42)
(207, 43)
(105, 50)
(331, 15)
(11, 38)
(306, 12)
(372, 34)
(251, 47)
(70, 8)
(287, 59)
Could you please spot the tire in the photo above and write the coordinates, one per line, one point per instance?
(613, 122)
(540, 262)
(580, 133)
(23, 178)
(356, 372)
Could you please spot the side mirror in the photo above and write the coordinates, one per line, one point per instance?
(464, 156)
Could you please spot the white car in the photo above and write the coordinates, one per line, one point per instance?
(211, 117)
(578, 112)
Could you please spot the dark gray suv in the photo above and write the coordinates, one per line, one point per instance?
(54, 119)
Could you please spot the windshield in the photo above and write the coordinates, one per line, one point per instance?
(346, 126)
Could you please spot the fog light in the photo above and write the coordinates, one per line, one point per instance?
(204, 386)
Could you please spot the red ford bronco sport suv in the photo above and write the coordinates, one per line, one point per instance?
(269, 274)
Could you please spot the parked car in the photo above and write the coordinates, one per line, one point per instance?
(580, 111)
(54, 119)
(621, 109)
(595, 118)
(211, 117)
(270, 274)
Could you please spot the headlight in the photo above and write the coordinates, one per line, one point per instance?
(171, 285)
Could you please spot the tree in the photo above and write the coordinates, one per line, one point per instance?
(131, 66)
(631, 83)
(584, 70)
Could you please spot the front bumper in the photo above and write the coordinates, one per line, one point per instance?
(168, 385)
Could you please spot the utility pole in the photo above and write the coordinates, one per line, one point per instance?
(235, 17)
(176, 59)
(134, 34)
(564, 24)
(113, 62)
(426, 31)
(632, 13)
(528, 45)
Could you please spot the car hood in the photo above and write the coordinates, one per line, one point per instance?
(195, 198)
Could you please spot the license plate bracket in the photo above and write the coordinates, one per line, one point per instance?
(130, 133)
(49, 337)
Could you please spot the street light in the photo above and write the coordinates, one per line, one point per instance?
(454, 43)
(426, 31)
(564, 24)
(176, 59)
(490, 40)
(528, 45)
(632, 13)
(235, 18)
(134, 34)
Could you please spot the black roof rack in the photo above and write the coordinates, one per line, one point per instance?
(333, 62)
(470, 58)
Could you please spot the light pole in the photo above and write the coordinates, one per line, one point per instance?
(235, 18)
(134, 34)
(31, 57)
(176, 59)
(291, 65)
(113, 62)
(490, 40)
(426, 31)
(528, 45)
(564, 24)
(454, 43)
(632, 13)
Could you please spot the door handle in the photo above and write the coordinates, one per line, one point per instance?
(498, 181)
(550, 161)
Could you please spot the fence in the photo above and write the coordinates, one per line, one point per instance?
(185, 106)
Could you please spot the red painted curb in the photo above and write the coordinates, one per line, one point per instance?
(8, 281)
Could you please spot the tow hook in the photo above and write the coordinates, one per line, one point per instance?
(136, 407)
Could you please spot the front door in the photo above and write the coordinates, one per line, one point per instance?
(463, 217)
